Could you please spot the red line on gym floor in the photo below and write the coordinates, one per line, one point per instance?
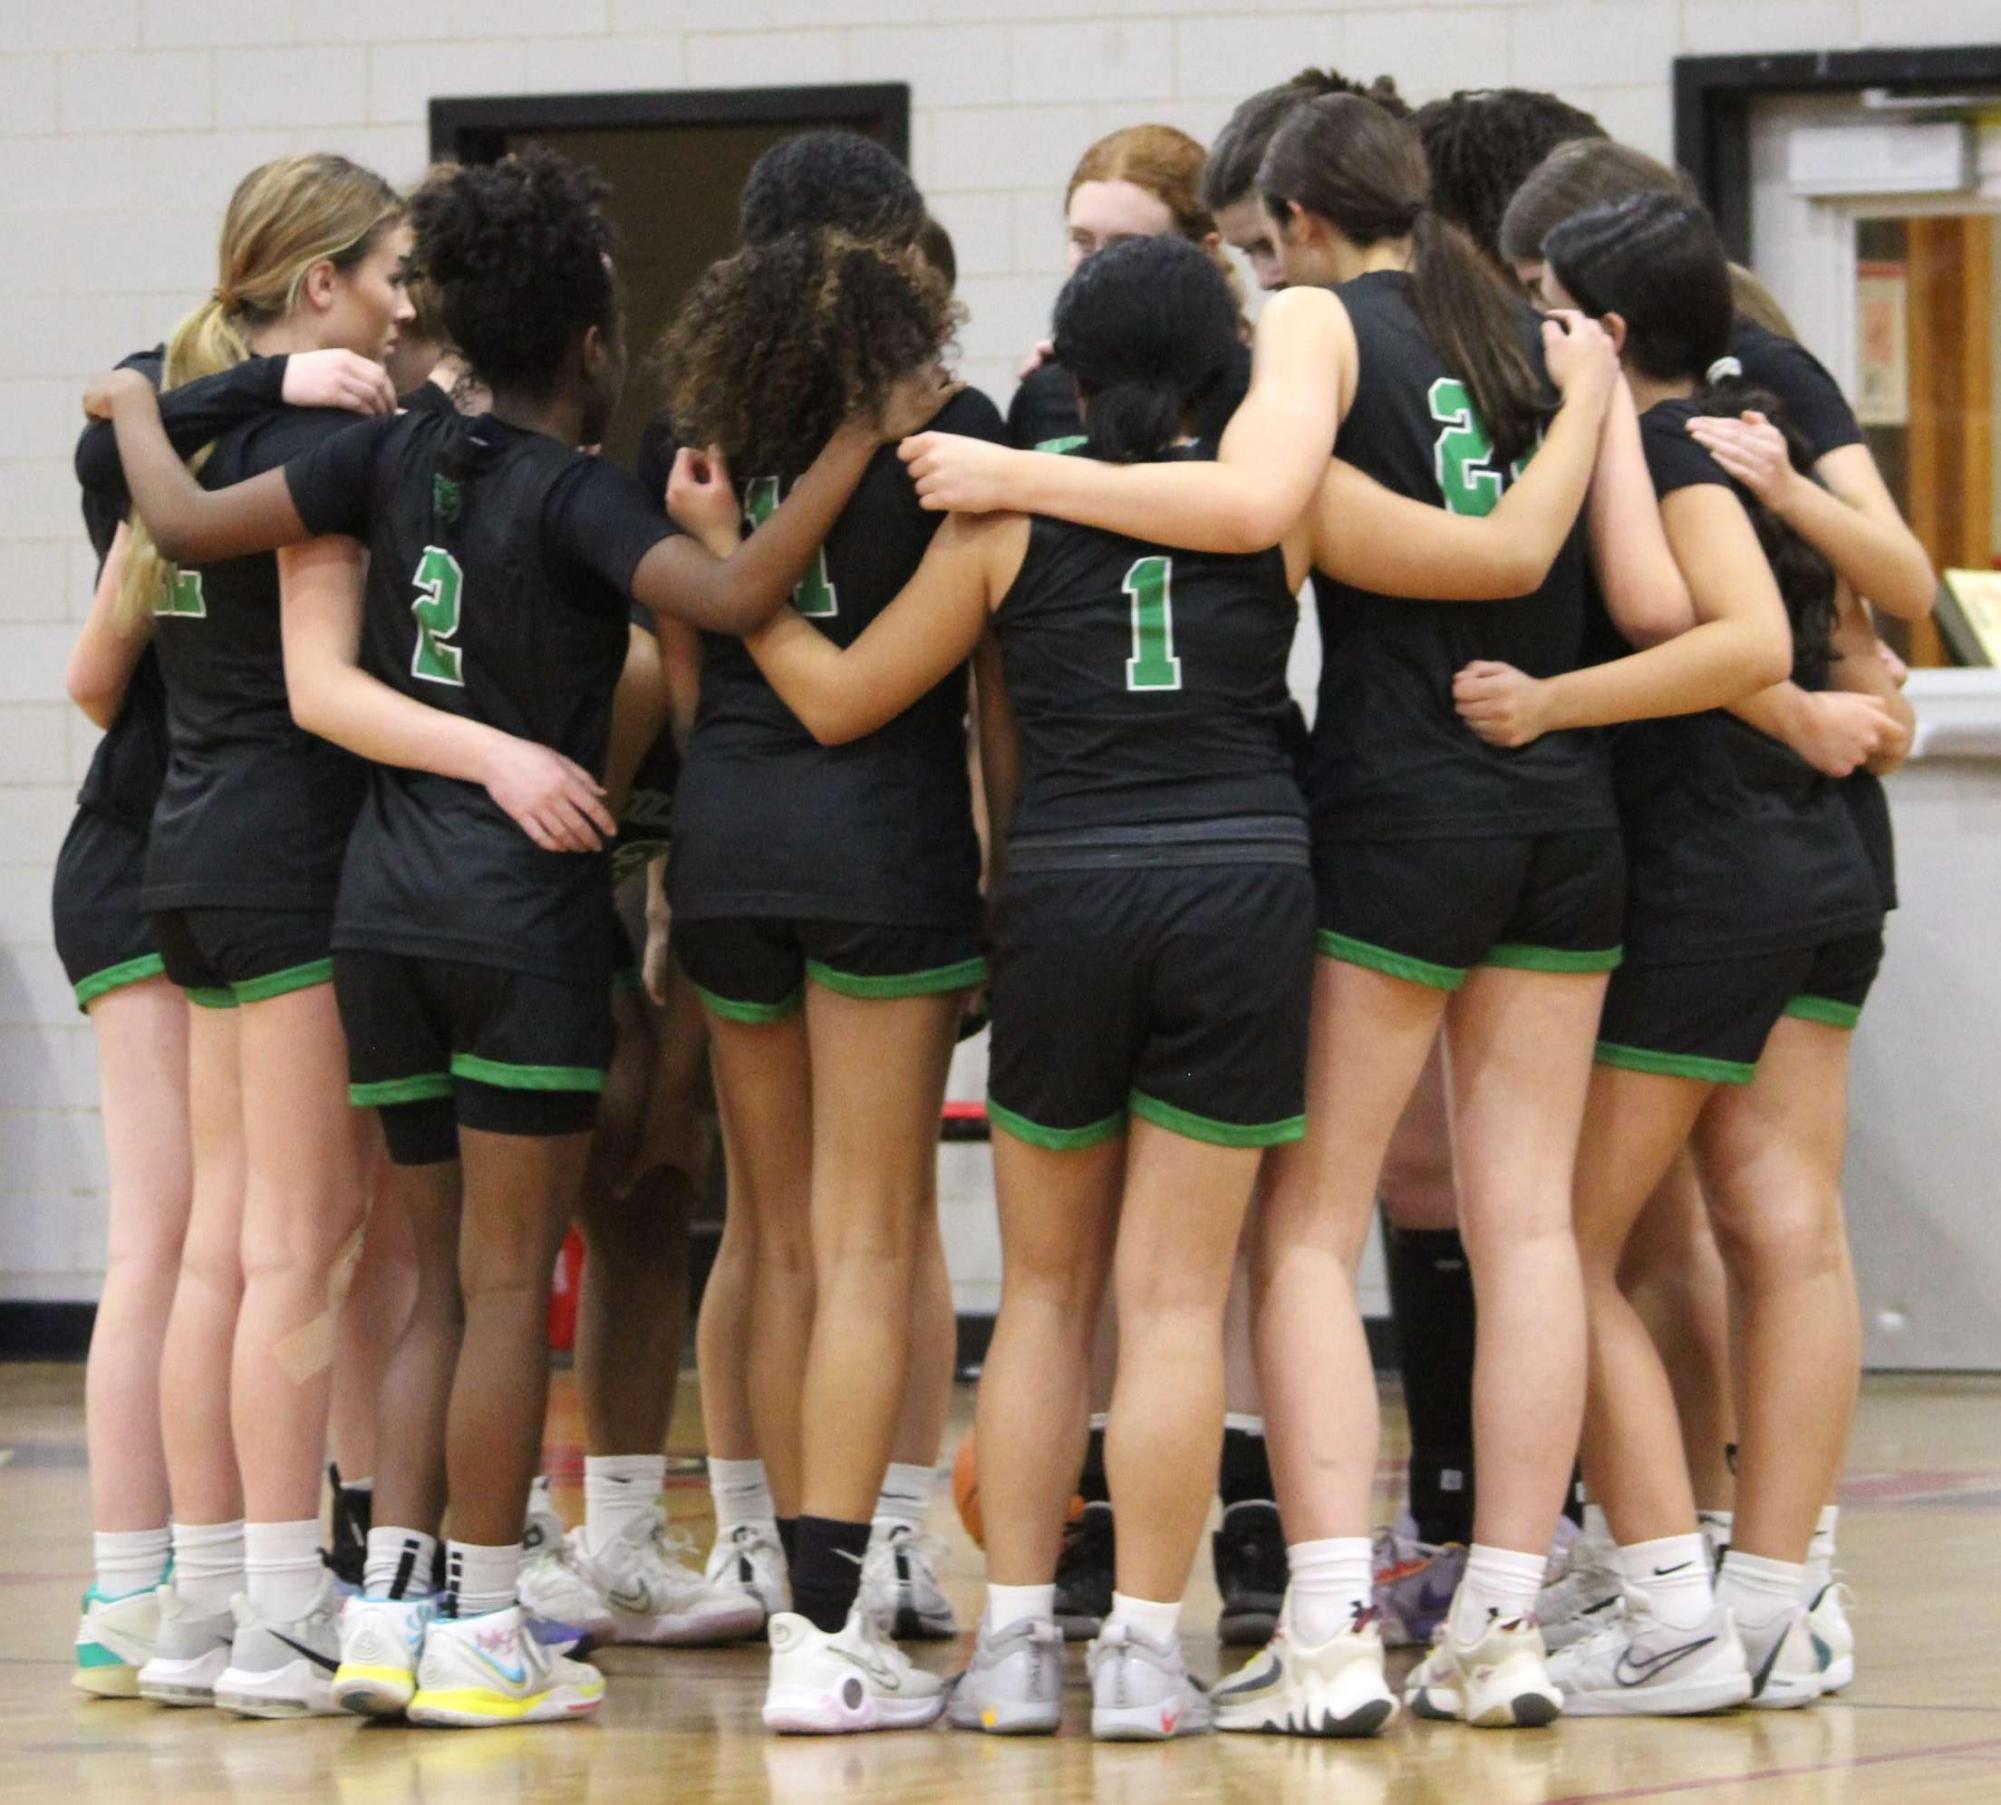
(1950, 1751)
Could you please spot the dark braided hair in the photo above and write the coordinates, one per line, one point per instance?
(518, 251)
(1483, 143)
(779, 344)
(833, 179)
(1231, 172)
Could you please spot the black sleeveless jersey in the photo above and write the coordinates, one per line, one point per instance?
(1147, 685)
(130, 763)
(1735, 845)
(1391, 758)
(768, 822)
(500, 566)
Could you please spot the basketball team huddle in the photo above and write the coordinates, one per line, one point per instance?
(476, 817)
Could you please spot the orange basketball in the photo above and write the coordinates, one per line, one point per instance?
(966, 1492)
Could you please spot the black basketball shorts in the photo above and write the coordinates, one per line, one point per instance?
(103, 937)
(754, 969)
(226, 956)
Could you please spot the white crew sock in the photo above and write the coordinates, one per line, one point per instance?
(620, 1491)
(129, 1560)
(1333, 1583)
(1820, 1556)
(741, 1492)
(905, 1497)
(401, 1563)
(1500, 1585)
(282, 1567)
(1009, 1605)
(208, 1564)
(1672, 1573)
(1160, 1621)
(1597, 1530)
(1759, 1591)
(482, 1579)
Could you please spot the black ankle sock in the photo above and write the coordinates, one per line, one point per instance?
(1573, 1503)
(1092, 1486)
(788, 1538)
(1431, 1295)
(1245, 1475)
(827, 1570)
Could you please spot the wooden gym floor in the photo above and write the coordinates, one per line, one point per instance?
(1921, 1544)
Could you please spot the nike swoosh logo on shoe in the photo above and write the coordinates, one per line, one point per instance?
(1630, 1672)
(1678, 1567)
(331, 1663)
(629, 1601)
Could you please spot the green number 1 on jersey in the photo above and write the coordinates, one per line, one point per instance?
(1153, 664)
(815, 597)
(439, 580)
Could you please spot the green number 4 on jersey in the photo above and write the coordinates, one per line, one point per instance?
(439, 581)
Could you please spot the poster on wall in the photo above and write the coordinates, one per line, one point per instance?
(1882, 387)
(1969, 615)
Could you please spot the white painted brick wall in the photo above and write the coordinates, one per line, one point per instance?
(124, 124)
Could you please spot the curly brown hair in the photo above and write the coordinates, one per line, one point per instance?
(780, 343)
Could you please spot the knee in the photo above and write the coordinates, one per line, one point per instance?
(1783, 1241)
(638, 1229)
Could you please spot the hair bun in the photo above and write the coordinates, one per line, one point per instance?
(1723, 369)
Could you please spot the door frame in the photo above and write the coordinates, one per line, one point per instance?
(476, 130)
(1713, 97)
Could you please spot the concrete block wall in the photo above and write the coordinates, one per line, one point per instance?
(124, 124)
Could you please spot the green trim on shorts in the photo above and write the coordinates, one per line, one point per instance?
(935, 982)
(627, 981)
(1394, 965)
(1675, 1065)
(504, 1076)
(206, 997)
(426, 1087)
(755, 1015)
(1217, 1134)
(1056, 1140)
(1825, 1010)
(283, 983)
(116, 977)
(1512, 956)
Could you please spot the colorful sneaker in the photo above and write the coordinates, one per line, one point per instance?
(115, 1637)
(567, 1606)
(1788, 1662)
(381, 1641)
(1827, 1617)
(1013, 1686)
(353, 1512)
(1248, 1552)
(480, 1673)
(284, 1669)
(652, 1597)
(1500, 1682)
(1084, 1574)
(900, 1589)
(1582, 1599)
(750, 1558)
(1415, 1582)
(1635, 1666)
(190, 1652)
(1141, 1690)
(1289, 1689)
(830, 1685)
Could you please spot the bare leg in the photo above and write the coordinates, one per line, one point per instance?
(142, 1063)
(417, 1381)
(201, 1331)
(934, 1349)
(373, 1318)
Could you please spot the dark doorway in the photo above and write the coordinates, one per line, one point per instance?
(676, 163)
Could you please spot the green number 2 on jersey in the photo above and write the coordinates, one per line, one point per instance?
(439, 581)
(815, 597)
(1153, 664)
(1464, 455)
(182, 599)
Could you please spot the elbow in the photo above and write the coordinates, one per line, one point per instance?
(1771, 663)
(98, 701)
(173, 541)
(1912, 599)
(1249, 523)
(309, 710)
(834, 728)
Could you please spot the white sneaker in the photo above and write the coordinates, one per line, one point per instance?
(190, 1651)
(1500, 1682)
(900, 1589)
(825, 1684)
(653, 1598)
(1635, 1666)
(552, 1587)
(1788, 1662)
(1588, 1593)
(115, 1638)
(1827, 1617)
(1141, 1690)
(750, 1558)
(284, 1668)
(479, 1673)
(1336, 1689)
(381, 1641)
